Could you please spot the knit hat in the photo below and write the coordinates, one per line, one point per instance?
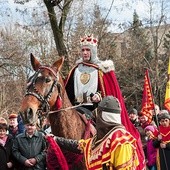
(151, 128)
(163, 111)
(13, 115)
(163, 116)
(133, 111)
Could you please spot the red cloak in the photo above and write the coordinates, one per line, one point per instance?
(108, 85)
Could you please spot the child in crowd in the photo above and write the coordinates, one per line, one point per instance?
(163, 141)
(133, 116)
(150, 150)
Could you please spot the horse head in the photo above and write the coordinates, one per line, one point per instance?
(43, 90)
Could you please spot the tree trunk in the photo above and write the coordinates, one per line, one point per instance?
(58, 35)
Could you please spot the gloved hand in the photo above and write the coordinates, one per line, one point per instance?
(95, 98)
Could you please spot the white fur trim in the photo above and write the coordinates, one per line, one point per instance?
(111, 117)
(106, 66)
(79, 61)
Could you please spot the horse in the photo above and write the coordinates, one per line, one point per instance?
(46, 93)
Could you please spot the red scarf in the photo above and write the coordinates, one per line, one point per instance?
(165, 132)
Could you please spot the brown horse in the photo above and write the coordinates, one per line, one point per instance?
(45, 92)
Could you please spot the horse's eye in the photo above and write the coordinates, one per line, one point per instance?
(47, 79)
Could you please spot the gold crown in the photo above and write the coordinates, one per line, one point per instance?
(89, 40)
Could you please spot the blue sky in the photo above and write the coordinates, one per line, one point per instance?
(121, 11)
(12, 15)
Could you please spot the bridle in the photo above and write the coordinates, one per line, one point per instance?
(44, 109)
(45, 106)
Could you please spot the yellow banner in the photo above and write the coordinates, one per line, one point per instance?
(167, 93)
(167, 96)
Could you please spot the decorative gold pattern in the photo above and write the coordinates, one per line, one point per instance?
(103, 91)
(84, 78)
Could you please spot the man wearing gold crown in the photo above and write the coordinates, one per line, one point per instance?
(85, 82)
(92, 79)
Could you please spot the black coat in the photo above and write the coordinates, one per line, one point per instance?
(164, 155)
(25, 148)
(6, 153)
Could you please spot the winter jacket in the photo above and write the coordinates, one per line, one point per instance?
(6, 153)
(20, 128)
(151, 153)
(25, 147)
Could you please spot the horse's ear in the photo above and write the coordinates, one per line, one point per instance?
(34, 62)
(58, 64)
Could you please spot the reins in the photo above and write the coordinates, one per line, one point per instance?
(44, 109)
(67, 108)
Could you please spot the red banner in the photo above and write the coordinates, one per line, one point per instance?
(147, 100)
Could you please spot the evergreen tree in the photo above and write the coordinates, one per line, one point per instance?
(135, 53)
